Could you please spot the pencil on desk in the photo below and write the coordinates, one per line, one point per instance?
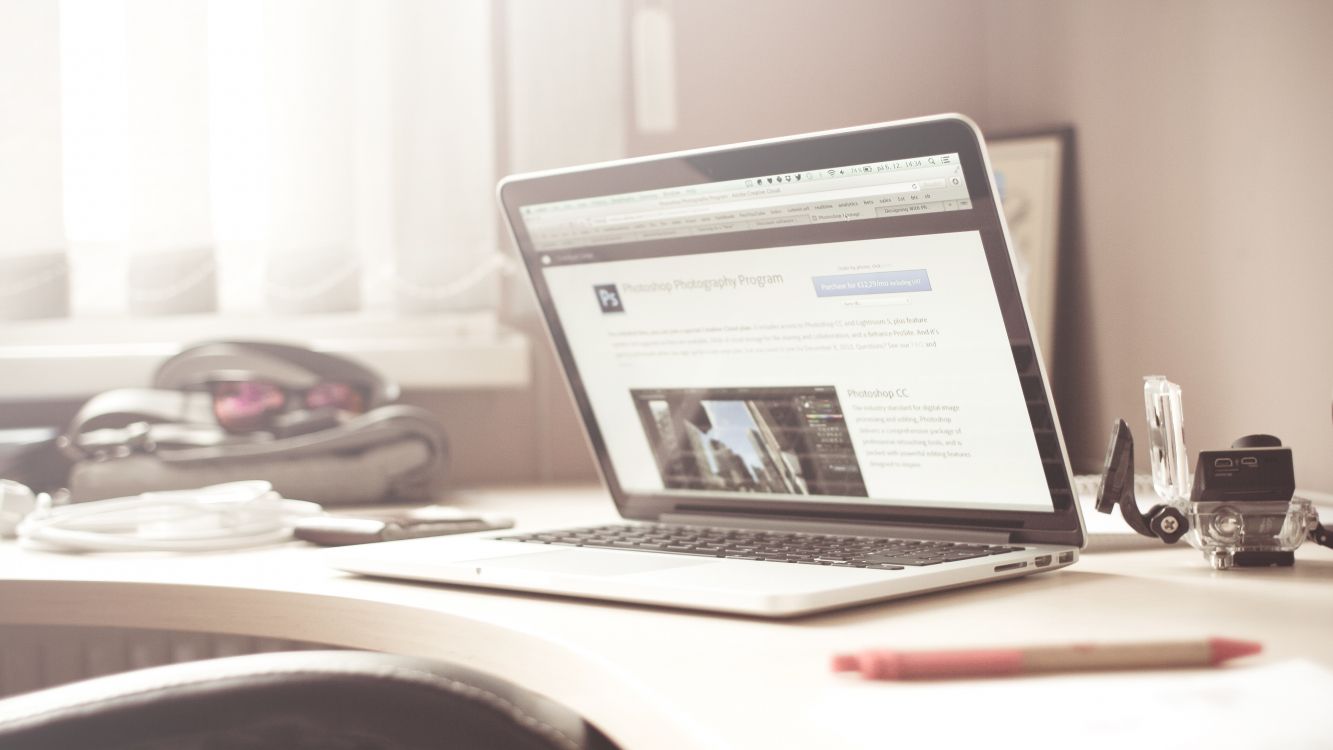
(1000, 662)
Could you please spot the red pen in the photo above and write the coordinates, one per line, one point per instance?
(999, 662)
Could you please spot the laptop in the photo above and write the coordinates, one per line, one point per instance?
(806, 371)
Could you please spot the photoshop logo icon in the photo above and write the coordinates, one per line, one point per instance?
(609, 298)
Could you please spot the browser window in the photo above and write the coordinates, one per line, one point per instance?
(861, 371)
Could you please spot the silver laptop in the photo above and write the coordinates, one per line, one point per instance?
(805, 369)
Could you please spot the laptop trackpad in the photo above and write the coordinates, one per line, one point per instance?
(588, 562)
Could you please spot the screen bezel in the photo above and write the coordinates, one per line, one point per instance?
(885, 142)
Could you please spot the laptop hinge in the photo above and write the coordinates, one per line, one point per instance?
(848, 529)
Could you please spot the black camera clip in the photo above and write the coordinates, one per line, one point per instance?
(1117, 488)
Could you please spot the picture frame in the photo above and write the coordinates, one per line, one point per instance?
(1030, 170)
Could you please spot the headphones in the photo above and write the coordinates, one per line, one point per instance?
(327, 429)
(177, 411)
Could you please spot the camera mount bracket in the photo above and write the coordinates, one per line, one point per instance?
(1162, 521)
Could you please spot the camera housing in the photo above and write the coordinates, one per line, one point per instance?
(1241, 510)
(1242, 505)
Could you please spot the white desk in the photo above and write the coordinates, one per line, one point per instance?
(654, 678)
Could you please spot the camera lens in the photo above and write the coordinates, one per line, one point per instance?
(1226, 524)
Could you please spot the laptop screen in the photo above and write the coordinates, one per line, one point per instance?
(829, 335)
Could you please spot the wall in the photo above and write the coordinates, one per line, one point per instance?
(1204, 237)
(749, 70)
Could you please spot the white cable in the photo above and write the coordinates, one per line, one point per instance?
(221, 517)
(16, 502)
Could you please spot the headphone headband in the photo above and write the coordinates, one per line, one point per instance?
(286, 364)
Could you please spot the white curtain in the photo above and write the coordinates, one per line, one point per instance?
(444, 157)
(289, 156)
(33, 272)
(168, 217)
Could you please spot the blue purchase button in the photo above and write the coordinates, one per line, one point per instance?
(881, 282)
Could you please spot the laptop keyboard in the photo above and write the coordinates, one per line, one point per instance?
(772, 546)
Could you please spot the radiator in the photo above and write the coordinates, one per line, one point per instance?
(38, 656)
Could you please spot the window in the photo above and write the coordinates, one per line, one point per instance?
(318, 170)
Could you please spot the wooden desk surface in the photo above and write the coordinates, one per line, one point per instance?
(657, 678)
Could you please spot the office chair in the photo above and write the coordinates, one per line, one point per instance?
(325, 700)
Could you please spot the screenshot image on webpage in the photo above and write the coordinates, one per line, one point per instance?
(791, 441)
